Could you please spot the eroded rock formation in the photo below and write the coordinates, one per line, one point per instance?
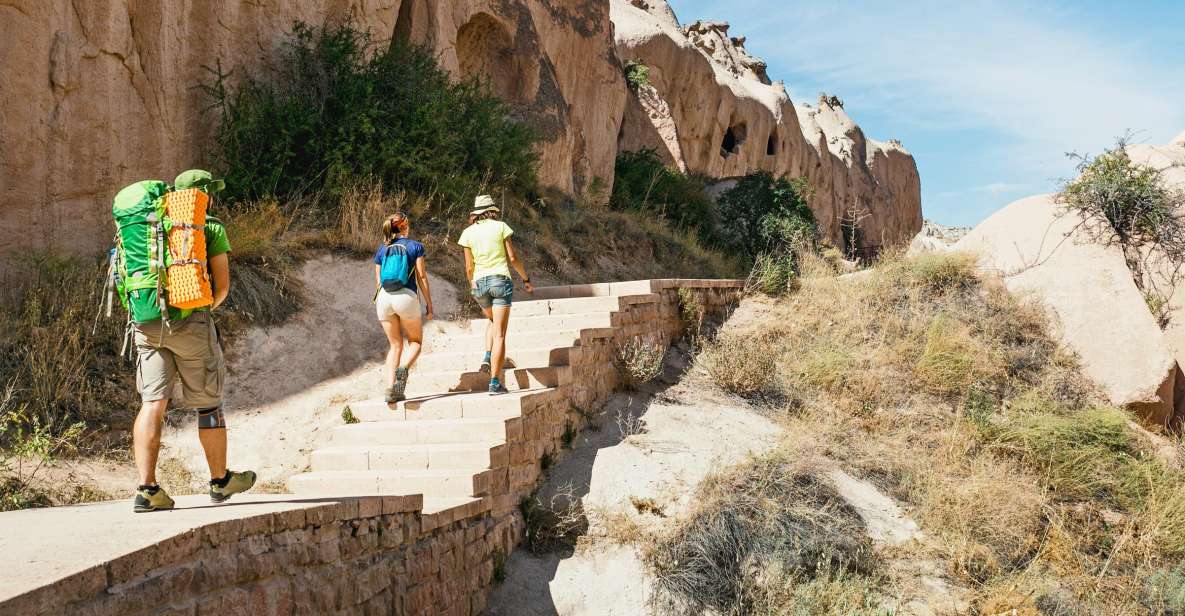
(97, 94)
(711, 109)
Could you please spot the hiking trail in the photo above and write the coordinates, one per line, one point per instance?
(411, 510)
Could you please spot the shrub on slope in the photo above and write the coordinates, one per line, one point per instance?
(952, 395)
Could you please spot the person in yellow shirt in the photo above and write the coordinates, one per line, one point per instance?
(489, 256)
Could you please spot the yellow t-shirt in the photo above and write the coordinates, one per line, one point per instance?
(485, 239)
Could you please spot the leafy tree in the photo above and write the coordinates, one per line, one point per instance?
(764, 214)
(1126, 203)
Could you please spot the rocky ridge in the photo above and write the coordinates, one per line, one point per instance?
(710, 108)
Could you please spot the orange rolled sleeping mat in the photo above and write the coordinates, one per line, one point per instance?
(189, 281)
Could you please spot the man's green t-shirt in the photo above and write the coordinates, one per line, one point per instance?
(217, 243)
(486, 239)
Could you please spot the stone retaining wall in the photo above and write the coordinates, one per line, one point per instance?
(368, 555)
(650, 310)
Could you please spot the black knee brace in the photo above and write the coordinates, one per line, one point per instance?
(209, 419)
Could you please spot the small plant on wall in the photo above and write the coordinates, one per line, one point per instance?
(637, 75)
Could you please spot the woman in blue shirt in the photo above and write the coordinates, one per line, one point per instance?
(397, 302)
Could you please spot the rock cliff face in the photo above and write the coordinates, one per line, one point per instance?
(97, 94)
(710, 108)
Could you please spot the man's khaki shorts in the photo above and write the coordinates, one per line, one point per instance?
(187, 350)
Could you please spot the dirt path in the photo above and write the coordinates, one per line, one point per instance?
(624, 479)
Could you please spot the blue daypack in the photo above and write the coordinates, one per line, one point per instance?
(396, 268)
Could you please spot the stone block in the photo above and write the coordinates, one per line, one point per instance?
(370, 507)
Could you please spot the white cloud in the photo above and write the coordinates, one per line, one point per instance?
(1001, 188)
(1035, 73)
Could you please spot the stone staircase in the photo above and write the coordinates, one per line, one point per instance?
(462, 448)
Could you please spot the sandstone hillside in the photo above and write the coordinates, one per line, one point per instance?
(98, 94)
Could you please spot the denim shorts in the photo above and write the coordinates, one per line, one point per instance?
(494, 290)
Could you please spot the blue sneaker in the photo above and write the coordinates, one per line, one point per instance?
(497, 388)
(485, 364)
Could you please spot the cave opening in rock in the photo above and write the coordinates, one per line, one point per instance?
(486, 51)
(734, 137)
(771, 145)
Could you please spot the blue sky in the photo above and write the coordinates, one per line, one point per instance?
(987, 95)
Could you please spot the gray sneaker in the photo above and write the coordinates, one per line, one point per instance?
(400, 386)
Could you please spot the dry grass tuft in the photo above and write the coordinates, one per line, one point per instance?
(639, 361)
(741, 365)
(555, 523)
(765, 537)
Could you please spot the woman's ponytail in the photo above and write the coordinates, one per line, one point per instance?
(393, 226)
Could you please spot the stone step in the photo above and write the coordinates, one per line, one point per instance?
(424, 432)
(411, 457)
(437, 504)
(452, 406)
(580, 305)
(430, 483)
(555, 322)
(603, 289)
(476, 341)
(470, 361)
(545, 307)
(421, 384)
(442, 510)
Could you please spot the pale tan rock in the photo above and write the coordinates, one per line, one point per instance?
(935, 238)
(1099, 312)
(1163, 279)
(730, 121)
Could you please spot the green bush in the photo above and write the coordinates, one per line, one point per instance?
(636, 75)
(340, 108)
(643, 183)
(766, 214)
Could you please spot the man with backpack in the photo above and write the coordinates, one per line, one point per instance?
(174, 345)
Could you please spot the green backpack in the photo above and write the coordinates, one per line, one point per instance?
(139, 260)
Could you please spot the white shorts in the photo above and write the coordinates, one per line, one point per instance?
(403, 303)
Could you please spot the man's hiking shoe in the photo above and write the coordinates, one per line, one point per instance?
(497, 388)
(391, 397)
(400, 385)
(151, 499)
(231, 484)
